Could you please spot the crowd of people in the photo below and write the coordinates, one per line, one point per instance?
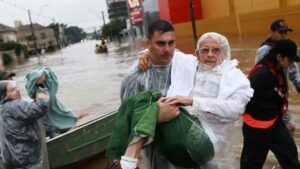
(175, 110)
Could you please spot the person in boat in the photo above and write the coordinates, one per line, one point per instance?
(22, 141)
(279, 30)
(102, 46)
(59, 118)
(226, 92)
(263, 126)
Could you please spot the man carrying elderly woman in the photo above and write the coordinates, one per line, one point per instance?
(219, 95)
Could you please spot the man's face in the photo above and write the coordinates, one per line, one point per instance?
(12, 91)
(210, 52)
(161, 47)
(278, 35)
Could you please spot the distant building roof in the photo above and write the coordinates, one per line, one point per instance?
(4, 28)
(26, 28)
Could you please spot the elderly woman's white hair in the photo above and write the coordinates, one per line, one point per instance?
(222, 41)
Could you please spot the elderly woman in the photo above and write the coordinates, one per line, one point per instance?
(220, 94)
(21, 138)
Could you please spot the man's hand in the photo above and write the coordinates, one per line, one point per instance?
(167, 111)
(144, 62)
(179, 100)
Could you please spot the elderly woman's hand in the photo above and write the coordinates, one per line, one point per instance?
(42, 95)
(179, 100)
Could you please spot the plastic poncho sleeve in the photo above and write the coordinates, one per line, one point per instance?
(294, 76)
(58, 114)
(235, 92)
(20, 136)
(31, 111)
(131, 84)
(262, 52)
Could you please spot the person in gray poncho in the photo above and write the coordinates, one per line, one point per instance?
(21, 138)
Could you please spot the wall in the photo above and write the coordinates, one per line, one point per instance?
(215, 9)
(252, 26)
(178, 11)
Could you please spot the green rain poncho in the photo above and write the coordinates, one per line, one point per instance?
(58, 114)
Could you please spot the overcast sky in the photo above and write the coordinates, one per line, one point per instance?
(83, 13)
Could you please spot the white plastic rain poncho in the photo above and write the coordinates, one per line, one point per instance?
(22, 140)
(220, 95)
(59, 117)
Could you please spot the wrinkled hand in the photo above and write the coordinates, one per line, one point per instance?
(144, 62)
(179, 100)
(42, 95)
(167, 111)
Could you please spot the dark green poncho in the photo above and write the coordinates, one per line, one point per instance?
(182, 140)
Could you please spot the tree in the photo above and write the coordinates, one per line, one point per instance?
(112, 29)
(74, 34)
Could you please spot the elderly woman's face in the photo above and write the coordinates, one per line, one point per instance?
(210, 52)
(12, 92)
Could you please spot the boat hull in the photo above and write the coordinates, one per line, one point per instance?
(81, 143)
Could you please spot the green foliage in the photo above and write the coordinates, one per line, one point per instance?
(25, 51)
(113, 28)
(18, 49)
(7, 59)
(74, 34)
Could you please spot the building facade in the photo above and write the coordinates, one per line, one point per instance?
(44, 36)
(117, 9)
(7, 34)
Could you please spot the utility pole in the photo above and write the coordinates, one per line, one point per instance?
(193, 22)
(32, 32)
(103, 18)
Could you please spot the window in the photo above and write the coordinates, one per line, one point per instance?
(43, 35)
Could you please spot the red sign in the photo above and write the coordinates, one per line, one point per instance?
(134, 4)
(135, 14)
(136, 20)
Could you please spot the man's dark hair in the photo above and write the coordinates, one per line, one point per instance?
(161, 26)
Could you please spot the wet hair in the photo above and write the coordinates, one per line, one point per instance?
(3, 90)
(161, 26)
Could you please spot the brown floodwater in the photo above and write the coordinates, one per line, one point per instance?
(90, 82)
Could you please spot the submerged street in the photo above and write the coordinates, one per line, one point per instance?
(88, 82)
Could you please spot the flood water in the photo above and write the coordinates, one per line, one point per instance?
(90, 82)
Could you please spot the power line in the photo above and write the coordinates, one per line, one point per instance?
(24, 9)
